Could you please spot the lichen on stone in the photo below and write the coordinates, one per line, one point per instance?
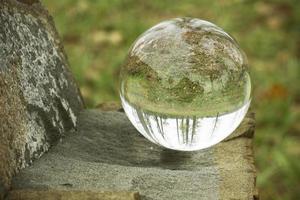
(36, 82)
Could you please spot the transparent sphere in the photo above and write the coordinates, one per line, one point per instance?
(185, 84)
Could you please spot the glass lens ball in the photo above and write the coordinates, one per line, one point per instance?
(185, 84)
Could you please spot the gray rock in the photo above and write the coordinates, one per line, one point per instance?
(70, 195)
(39, 99)
(108, 154)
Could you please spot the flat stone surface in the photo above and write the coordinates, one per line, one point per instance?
(70, 195)
(108, 154)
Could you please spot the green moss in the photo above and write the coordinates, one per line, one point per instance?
(186, 90)
(186, 98)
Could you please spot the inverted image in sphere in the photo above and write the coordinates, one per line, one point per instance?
(185, 84)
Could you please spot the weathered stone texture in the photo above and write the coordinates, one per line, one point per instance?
(39, 99)
(108, 154)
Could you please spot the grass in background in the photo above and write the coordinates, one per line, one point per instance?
(98, 34)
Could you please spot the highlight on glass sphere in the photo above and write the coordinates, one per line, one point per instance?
(185, 84)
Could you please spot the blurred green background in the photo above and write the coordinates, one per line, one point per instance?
(98, 34)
